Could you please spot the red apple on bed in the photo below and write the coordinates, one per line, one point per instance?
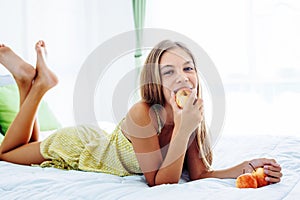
(246, 180)
(252, 180)
(260, 176)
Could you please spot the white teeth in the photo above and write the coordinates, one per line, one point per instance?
(175, 91)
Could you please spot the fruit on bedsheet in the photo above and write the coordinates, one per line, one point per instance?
(252, 180)
(182, 96)
(246, 180)
(260, 177)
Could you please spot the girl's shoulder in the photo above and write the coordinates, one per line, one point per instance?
(140, 106)
(140, 113)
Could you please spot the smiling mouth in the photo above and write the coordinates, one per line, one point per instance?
(181, 88)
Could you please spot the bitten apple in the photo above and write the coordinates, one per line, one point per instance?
(182, 96)
(246, 180)
(260, 176)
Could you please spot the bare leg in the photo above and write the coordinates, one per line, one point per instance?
(15, 146)
(23, 73)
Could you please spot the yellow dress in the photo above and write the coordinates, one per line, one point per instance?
(89, 148)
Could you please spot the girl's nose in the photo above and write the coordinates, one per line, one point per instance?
(182, 78)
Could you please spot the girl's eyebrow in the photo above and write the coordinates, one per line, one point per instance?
(165, 66)
(185, 63)
(188, 62)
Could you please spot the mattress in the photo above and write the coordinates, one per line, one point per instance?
(27, 182)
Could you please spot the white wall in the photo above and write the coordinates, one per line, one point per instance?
(71, 29)
(253, 43)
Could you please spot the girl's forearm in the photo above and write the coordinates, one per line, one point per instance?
(171, 168)
(232, 172)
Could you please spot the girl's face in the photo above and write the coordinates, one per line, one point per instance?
(177, 71)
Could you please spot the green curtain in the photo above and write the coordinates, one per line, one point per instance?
(139, 7)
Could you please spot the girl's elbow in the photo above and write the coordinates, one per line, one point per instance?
(151, 183)
(165, 181)
(194, 178)
(202, 175)
(161, 178)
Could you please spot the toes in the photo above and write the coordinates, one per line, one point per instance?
(40, 47)
(43, 44)
(40, 43)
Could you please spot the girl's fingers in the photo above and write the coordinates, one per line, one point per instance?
(172, 101)
(200, 104)
(272, 179)
(276, 174)
(272, 168)
(192, 98)
(260, 162)
(273, 173)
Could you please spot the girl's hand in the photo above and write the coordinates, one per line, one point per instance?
(190, 117)
(271, 168)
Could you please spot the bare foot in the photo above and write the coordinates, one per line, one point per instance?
(45, 78)
(23, 72)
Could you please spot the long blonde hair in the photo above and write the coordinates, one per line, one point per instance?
(152, 92)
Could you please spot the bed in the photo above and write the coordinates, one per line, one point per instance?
(27, 182)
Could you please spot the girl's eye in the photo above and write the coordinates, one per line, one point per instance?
(188, 69)
(168, 72)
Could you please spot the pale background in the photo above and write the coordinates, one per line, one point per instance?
(254, 44)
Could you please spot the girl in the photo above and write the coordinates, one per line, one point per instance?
(156, 138)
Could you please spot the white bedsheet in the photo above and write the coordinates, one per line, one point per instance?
(24, 182)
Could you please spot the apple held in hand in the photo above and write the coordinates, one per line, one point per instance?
(260, 177)
(252, 180)
(182, 96)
